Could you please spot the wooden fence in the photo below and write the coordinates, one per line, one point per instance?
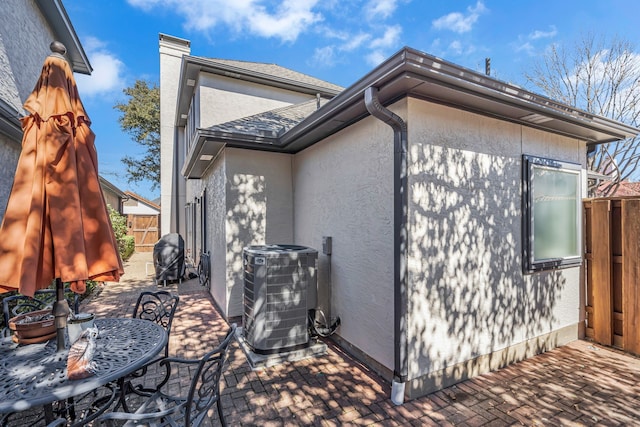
(612, 260)
(144, 228)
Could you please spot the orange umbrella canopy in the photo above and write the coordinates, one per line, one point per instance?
(56, 224)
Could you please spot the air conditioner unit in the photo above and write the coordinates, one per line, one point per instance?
(279, 288)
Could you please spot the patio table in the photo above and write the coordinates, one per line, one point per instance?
(36, 375)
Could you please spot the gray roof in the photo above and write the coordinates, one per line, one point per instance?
(270, 124)
(256, 72)
(411, 73)
(274, 70)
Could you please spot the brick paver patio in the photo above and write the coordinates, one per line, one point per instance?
(580, 384)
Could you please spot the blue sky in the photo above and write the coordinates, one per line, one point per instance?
(335, 40)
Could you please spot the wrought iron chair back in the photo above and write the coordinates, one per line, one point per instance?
(159, 307)
(162, 409)
(205, 385)
(15, 305)
(48, 296)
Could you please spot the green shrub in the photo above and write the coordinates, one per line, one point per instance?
(128, 247)
(126, 244)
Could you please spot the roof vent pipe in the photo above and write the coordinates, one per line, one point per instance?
(400, 239)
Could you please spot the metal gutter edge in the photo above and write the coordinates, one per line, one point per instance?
(10, 122)
(400, 239)
(345, 99)
(55, 13)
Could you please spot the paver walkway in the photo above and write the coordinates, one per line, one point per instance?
(580, 384)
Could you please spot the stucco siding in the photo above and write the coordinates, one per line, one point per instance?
(9, 154)
(215, 184)
(258, 211)
(468, 295)
(24, 44)
(222, 99)
(344, 189)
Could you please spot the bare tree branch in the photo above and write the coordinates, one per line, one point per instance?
(601, 77)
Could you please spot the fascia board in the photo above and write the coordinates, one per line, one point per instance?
(56, 15)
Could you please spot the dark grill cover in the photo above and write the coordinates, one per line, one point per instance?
(168, 257)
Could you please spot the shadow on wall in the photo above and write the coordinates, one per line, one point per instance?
(468, 294)
(246, 225)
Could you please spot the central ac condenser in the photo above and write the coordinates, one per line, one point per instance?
(279, 289)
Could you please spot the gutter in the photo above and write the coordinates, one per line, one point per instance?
(10, 122)
(400, 239)
(57, 17)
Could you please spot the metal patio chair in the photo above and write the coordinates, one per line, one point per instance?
(160, 408)
(204, 270)
(15, 305)
(159, 307)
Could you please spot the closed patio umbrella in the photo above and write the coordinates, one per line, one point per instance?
(56, 225)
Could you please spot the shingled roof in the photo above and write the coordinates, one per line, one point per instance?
(270, 124)
(274, 70)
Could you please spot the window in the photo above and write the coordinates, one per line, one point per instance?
(551, 207)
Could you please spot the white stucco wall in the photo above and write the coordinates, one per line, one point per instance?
(249, 202)
(468, 295)
(24, 44)
(222, 99)
(344, 189)
(215, 184)
(9, 154)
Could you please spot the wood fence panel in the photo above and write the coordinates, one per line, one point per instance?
(601, 271)
(144, 229)
(615, 222)
(630, 221)
(588, 258)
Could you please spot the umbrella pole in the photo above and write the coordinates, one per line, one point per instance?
(60, 312)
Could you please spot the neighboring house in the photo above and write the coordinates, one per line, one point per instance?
(452, 199)
(113, 196)
(622, 189)
(27, 28)
(142, 221)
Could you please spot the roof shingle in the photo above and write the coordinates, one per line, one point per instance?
(271, 123)
(275, 70)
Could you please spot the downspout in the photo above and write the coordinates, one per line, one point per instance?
(400, 240)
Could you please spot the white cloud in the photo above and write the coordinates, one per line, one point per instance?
(538, 34)
(455, 47)
(380, 46)
(375, 58)
(324, 56)
(526, 43)
(460, 22)
(286, 21)
(390, 38)
(107, 71)
(355, 42)
(525, 47)
(380, 9)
